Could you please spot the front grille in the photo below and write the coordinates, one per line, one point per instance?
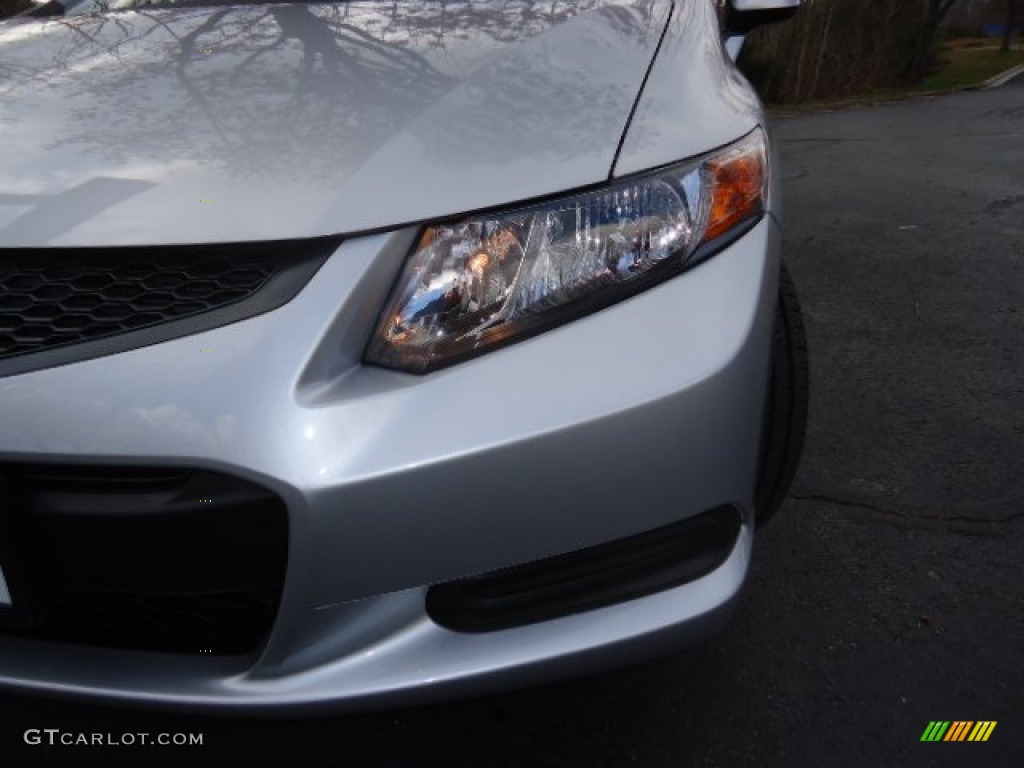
(157, 559)
(72, 300)
(589, 578)
(61, 300)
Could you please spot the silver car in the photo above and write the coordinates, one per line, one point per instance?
(363, 353)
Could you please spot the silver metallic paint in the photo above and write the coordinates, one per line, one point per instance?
(695, 99)
(306, 120)
(646, 412)
(763, 5)
(625, 420)
(401, 656)
(373, 451)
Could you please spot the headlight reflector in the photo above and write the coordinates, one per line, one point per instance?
(472, 284)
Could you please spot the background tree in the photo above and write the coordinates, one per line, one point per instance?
(935, 13)
(1011, 23)
(11, 7)
(837, 48)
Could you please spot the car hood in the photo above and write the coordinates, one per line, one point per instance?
(278, 121)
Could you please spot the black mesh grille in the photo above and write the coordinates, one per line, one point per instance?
(53, 299)
(47, 303)
(213, 622)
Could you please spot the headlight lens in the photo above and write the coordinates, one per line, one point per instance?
(480, 282)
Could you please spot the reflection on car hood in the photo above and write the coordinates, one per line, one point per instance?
(277, 121)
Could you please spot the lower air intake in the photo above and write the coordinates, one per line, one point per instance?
(154, 559)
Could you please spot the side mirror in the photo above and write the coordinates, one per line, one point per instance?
(741, 16)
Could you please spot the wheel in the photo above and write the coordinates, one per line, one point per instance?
(785, 421)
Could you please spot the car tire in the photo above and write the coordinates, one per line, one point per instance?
(782, 435)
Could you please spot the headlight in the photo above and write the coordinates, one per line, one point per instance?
(483, 281)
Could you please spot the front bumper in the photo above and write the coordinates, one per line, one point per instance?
(627, 420)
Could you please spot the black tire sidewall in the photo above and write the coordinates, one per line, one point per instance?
(787, 399)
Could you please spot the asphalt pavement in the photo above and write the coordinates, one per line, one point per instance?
(887, 593)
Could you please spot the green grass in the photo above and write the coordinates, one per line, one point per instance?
(965, 63)
(967, 66)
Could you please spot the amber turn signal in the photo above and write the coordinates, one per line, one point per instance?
(738, 188)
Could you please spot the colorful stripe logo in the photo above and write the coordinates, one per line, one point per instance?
(958, 730)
